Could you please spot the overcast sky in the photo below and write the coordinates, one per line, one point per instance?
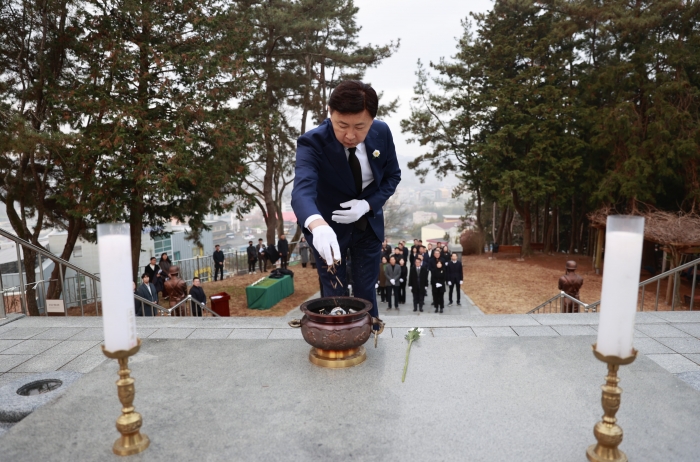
(428, 30)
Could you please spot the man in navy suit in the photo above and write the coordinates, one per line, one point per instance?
(346, 169)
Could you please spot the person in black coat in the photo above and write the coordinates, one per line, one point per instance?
(283, 249)
(218, 262)
(437, 281)
(404, 250)
(414, 254)
(445, 255)
(404, 281)
(262, 259)
(418, 282)
(433, 258)
(197, 293)
(386, 250)
(148, 291)
(252, 257)
(165, 264)
(454, 277)
(152, 270)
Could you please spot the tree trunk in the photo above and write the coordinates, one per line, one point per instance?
(546, 231)
(479, 224)
(537, 222)
(600, 241)
(30, 278)
(75, 227)
(574, 227)
(508, 232)
(493, 222)
(674, 263)
(502, 224)
(295, 239)
(135, 232)
(556, 213)
(523, 209)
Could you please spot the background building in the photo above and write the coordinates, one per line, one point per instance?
(423, 217)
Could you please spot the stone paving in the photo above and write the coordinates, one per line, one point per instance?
(32, 345)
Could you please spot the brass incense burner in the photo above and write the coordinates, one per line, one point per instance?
(337, 341)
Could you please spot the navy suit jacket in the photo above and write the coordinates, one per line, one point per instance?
(323, 178)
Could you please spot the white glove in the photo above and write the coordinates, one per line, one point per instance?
(376, 286)
(326, 243)
(449, 283)
(349, 286)
(357, 209)
(393, 282)
(460, 283)
(400, 280)
(438, 285)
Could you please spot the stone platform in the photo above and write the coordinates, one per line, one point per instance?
(465, 398)
(508, 387)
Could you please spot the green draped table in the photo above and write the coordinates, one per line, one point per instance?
(269, 292)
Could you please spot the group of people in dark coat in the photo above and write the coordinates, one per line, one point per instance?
(153, 281)
(437, 268)
(262, 254)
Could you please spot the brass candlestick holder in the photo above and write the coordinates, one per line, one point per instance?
(129, 423)
(607, 432)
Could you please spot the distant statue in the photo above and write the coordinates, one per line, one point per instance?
(570, 283)
(175, 289)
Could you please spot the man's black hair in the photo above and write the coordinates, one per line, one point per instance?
(144, 275)
(250, 242)
(153, 258)
(353, 97)
(196, 277)
(260, 239)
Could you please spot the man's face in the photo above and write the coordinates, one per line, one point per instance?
(454, 257)
(418, 262)
(351, 129)
(145, 279)
(281, 236)
(153, 262)
(196, 283)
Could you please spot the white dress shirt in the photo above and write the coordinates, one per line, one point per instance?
(367, 175)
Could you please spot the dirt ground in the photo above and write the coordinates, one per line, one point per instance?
(305, 285)
(505, 285)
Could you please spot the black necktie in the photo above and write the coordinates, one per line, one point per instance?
(356, 169)
(354, 162)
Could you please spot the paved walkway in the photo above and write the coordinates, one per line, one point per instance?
(480, 398)
(30, 345)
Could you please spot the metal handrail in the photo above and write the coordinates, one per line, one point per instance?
(675, 272)
(560, 296)
(48, 254)
(176, 306)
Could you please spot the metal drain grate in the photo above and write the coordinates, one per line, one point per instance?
(39, 387)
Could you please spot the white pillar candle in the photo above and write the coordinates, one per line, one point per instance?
(118, 318)
(624, 238)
